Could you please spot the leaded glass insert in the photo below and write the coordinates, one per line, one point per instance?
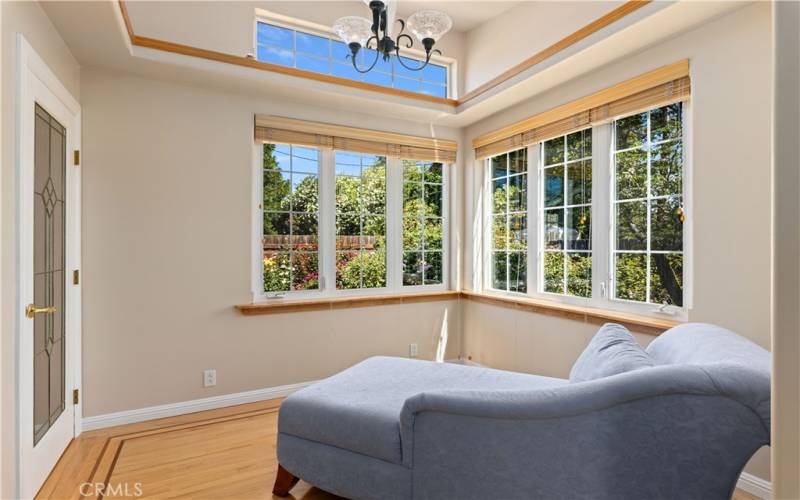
(49, 353)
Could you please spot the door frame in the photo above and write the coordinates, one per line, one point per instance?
(37, 83)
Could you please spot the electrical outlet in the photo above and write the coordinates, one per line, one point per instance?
(413, 352)
(209, 378)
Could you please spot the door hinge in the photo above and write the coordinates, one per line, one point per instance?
(76, 157)
(76, 277)
(75, 396)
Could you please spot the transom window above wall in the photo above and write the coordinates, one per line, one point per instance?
(279, 43)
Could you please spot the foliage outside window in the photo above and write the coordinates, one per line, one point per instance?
(360, 221)
(422, 223)
(648, 207)
(508, 186)
(566, 211)
(321, 54)
(291, 212)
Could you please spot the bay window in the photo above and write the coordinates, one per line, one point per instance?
(608, 215)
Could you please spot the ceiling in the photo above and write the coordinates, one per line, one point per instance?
(465, 15)
(95, 34)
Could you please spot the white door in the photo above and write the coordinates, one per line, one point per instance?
(48, 120)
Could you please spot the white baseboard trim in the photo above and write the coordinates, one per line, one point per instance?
(755, 485)
(182, 408)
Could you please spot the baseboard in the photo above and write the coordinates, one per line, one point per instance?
(755, 485)
(172, 409)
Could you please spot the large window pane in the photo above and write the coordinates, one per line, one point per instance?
(566, 213)
(360, 220)
(508, 188)
(648, 263)
(290, 218)
(423, 226)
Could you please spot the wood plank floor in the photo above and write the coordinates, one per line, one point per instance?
(225, 453)
(216, 454)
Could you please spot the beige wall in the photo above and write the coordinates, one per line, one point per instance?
(515, 35)
(29, 19)
(167, 172)
(731, 186)
(730, 181)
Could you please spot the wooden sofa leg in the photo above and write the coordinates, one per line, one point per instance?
(284, 482)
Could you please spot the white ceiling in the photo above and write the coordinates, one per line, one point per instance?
(96, 36)
(465, 15)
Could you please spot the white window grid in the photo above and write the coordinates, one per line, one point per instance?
(365, 162)
(603, 230)
(565, 209)
(292, 214)
(423, 218)
(327, 233)
(649, 199)
(520, 285)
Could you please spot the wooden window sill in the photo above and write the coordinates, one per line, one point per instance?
(638, 323)
(275, 306)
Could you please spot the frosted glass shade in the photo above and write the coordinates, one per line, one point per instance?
(353, 29)
(431, 24)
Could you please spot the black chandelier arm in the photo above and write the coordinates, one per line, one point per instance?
(410, 40)
(352, 57)
(421, 66)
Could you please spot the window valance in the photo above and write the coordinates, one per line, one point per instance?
(276, 129)
(659, 87)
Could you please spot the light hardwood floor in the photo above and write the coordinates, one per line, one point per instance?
(225, 453)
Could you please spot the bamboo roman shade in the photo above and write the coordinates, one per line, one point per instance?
(276, 129)
(660, 87)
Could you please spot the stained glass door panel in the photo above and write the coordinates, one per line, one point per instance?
(49, 224)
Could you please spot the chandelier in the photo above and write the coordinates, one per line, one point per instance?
(358, 33)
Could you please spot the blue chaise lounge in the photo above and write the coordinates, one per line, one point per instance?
(677, 420)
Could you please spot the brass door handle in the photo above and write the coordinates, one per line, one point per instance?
(32, 310)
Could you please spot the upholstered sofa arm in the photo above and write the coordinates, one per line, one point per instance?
(608, 426)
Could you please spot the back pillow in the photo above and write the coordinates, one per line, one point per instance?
(613, 350)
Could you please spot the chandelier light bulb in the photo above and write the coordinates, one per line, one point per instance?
(353, 29)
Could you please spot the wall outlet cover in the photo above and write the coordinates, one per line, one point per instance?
(209, 378)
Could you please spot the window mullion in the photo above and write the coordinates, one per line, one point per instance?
(602, 213)
(327, 220)
(394, 224)
(647, 214)
(534, 185)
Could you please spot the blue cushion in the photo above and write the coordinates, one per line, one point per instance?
(359, 409)
(612, 351)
